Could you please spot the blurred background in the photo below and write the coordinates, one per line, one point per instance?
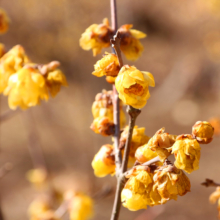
(182, 51)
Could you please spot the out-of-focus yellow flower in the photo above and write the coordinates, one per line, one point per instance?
(170, 182)
(103, 126)
(96, 37)
(134, 196)
(55, 79)
(104, 161)
(4, 21)
(160, 142)
(138, 139)
(26, 88)
(130, 43)
(10, 63)
(37, 176)
(81, 207)
(132, 86)
(215, 122)
(214, 197)
(49, 215)
(38, 207)
(103, 107)
(2, 50)
(187, 153)
(203, 132)
(107, 66)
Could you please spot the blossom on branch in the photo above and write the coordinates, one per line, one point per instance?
(104, 161)
(186, 150)
(4, 21)
(133, 86)
(96, 37)
(130, 43)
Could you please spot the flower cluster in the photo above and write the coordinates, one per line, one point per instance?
(97, 36)
(27, 83)
(146, 187)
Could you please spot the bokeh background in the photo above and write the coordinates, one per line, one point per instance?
(182, 51)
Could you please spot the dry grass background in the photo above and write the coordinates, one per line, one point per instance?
(182, 51)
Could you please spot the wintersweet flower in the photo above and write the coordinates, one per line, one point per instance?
(81, 207)
(186, 150)
(170, 182)
(103, 126)
(135, 194)
(132, 86)
(103, 107)
(4, 21)
(214, 197)
(160, 143)
(96, 37)
(130, 43)
(107, 66)
(26, 88)
(37, 176)
(203, 132)
(104, 161)
(215, 122)
(10, 63)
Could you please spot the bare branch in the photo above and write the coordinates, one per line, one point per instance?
(209, 182)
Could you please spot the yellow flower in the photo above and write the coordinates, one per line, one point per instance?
(138, 139)
(134, 196)
(26, 88)
(130, 43)
(38, 207)
(170, 182)
(104, 162)
(203, 131)
(55, 80)
(103, 126)
(103, 107)
(2, 50)
(81, 207)
(187, 153)
(10, 63)
(4, 21)
(96, 37)
(107, 66)
(37, 176)
(160, 142)
(214, 197)
(132, 86)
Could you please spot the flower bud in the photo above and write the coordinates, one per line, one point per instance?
(186, 150)
(2, 50)
(132, 86)
(203, 132)
(215, 122)
(104, 161)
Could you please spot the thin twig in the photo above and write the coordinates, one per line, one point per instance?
(133, 113)
(209, 182)
(34, 147)
(154, 160)
(5, 169)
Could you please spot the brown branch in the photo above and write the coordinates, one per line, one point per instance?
(209, 182)
(5, 169)
(154, 160)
